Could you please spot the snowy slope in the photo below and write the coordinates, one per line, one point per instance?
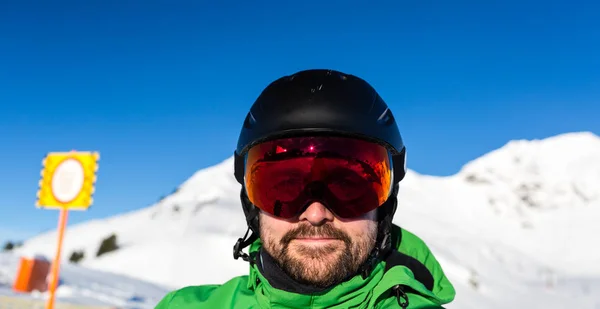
(87, 287)
(552, 189)
(519, 221)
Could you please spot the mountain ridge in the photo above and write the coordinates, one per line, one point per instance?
(184, 235)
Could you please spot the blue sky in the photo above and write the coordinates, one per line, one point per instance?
(161, 89)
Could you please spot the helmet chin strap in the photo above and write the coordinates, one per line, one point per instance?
(243, 243)
(383, 244)
(251, 213)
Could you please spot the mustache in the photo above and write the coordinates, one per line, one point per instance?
(326, 231)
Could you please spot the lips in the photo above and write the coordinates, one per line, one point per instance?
(306, 233)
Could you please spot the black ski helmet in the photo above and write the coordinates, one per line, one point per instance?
(320, 102)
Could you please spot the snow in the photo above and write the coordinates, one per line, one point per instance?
(514, 228)
(84, 286)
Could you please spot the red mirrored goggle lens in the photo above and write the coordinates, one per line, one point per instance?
(349, 176)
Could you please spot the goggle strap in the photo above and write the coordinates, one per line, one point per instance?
(239, 166)
(399, 165)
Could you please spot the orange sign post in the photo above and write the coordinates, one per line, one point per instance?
(67, 183)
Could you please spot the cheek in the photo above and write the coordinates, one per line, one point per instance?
(360, 228)
(371, 215)
(272, 227)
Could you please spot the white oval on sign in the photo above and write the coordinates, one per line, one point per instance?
(67, 180)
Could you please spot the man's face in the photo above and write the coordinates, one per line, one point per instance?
(319, 248)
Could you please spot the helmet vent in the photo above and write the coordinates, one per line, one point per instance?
(250, 121)
(386, 118)
(313, 90)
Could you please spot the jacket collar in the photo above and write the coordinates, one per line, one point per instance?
(349, 294)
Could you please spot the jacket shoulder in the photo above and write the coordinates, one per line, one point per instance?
(232, 294)
(409, 243)
(412, 245)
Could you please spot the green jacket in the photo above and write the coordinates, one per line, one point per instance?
(413, 268)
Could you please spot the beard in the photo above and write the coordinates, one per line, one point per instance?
(320, 265)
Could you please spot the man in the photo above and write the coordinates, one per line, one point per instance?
(319, 159)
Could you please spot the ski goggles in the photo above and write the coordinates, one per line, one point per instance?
(349, 176)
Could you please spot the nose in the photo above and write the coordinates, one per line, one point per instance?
(316, 214)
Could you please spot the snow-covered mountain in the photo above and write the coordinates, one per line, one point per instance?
(514, 228)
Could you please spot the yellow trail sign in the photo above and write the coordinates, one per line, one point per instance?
(67, 183)
(68, 180)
